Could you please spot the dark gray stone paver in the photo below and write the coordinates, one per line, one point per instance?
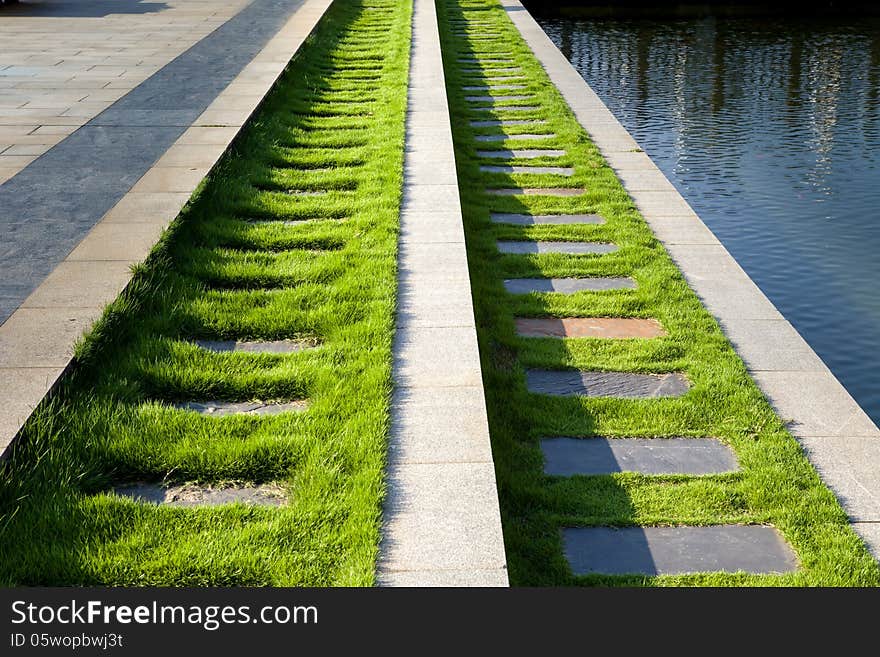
(677, 550)
(566, 457)
(525, 153)
(223, 408)
(501, 123)
(570, 248)
(532, 220)
(189, 495)
(567, 285)
(50, 205)
(257, 347)
(556, 171)
(523, 137)
(493, 87)
(506, 108)
(627, 385)
(494, 99)
(537, 191)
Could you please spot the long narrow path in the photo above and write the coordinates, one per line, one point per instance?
(442, 522)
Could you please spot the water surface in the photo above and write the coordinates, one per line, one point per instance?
(770, 128)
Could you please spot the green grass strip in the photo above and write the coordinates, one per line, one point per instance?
(249, 258)
(776, 486)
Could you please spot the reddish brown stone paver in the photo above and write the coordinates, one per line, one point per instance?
(588, 327)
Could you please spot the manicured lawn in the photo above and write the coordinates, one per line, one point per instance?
(249, 258)
(776, 484)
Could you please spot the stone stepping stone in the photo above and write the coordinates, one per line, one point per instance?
(567, 285)
(537, 191)
(257, 347)
(506, 108)
(524, 137)
(523, 154)
(494, 87)
(677, 550)
(189, 495)
(502, 123)
(566, 457)
(556, 171)
(551, 219)
(494, 99)
(306, 192)
(222, 408)
(527, 247)
(481, 71)
(588, 327)
(625, 385)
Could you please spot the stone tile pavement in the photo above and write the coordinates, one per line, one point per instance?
(77, 217)
(62, 63)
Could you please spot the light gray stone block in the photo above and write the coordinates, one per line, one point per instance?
(446, 512)
(496, 577)
(570, 248)
(556, 171)
(847, 464)
(771, 344)
(814, 404)
(567, 285)
(521, 153)
(224, 408)
(530, 220)
(439, 425)
(436, 357)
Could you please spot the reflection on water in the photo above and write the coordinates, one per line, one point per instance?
(771, 130)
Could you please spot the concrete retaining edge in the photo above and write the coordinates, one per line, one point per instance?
(442, 523)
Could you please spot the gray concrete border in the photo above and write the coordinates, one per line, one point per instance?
(37, 340)
(837, 435)
(442, 524)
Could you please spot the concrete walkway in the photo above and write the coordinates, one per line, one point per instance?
(839, 438)
(75, 218)
(442, 525)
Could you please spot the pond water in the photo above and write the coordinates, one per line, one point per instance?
(770, 129)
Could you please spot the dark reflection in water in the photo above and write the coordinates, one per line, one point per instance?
(771, 130)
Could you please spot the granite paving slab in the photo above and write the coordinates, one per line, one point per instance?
(496, 99)
(191, 494)
(51, 204)
(522, 153)
(626, 385)
(555, 219)
(536, 191)
(224, 408)
(556, 171)
(257, 347)
(500, 123)
(567, 457)
(569, 248)
(567, 285)
(523, 137)
(588, 327)
(493, 87)
(677, 550)
(495, 108)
